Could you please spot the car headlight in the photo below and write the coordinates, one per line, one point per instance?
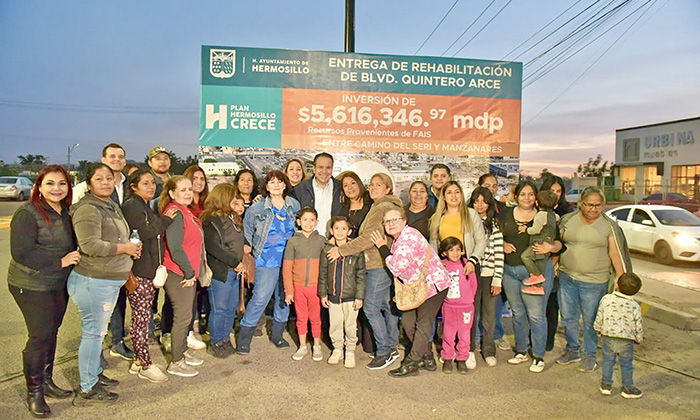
(683, 239)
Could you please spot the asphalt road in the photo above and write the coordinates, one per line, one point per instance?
(268, 384)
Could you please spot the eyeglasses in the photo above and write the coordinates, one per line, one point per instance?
(592, 206)
(390, 222)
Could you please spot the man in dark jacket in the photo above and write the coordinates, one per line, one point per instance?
(322, 192)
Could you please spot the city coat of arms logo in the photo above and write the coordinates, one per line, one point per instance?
(222, 63)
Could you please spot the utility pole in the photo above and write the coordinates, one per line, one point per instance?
(70, 150)
(349, 25)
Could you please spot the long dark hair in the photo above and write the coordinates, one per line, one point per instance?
(364, 194)
(256, 186)
(547, 184)
(189, 173)
(490, 211)
(36, 199)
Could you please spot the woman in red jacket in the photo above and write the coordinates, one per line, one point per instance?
(183, 259)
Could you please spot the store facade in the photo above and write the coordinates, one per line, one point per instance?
(658, 158)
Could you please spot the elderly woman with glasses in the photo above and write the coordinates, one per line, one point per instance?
(412, 259)
(596, 255)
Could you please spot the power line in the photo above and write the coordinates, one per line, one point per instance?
(542, 73)
(468, 27)
(436, 28)
(484, 27)
(540, 30)
(97, 108)
(593, 63)
(560, 27)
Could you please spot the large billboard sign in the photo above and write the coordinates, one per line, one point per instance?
(406, 106)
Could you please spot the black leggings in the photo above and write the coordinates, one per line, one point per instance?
(43, 314)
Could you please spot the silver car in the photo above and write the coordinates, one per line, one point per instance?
(15, 187)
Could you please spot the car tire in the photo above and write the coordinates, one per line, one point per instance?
(663, 253)
(20, 197)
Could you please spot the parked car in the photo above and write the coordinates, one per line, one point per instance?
(572, 195)
(15, 187)
(673, 199)
(670, 233)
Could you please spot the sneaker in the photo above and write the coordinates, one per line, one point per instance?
(382, 361)
(471, 361)
(180, 368)
(537, 365)
(587, 365)
(605, 389)
(300, 353)
(134, 368)
(447, 367)
(316, 353)
(105, 381)
(219, 350)
(518, 359)
(491, 361)
(153, 374)
(191, 359)
(568, 357)
(631, 393)
(97, 395)
(194, 343)
(533, 280)
(394, 355)
(349, 359)
(503, 344)
(533, 290)
(462, 366)
(167, 341)
(121, 350)
(336, 355)
(228, 346)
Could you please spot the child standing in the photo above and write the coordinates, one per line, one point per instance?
(619, 322)
(458, 307)
(341, 286)
(543, 229)
(300, 276)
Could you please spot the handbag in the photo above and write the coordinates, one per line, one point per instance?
(161, 271)
(131, 283)
(412, 295)
(205, 273)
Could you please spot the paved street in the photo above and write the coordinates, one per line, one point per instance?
(268, 384)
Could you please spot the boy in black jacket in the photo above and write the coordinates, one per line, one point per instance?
(341, 286)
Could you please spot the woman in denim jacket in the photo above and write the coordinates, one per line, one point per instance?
(267, 225)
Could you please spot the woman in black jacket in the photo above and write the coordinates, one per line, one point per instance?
(150, 228)
(224, 241)
(43, 248)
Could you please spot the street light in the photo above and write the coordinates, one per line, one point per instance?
(70, 150)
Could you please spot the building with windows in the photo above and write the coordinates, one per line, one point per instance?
(658, 158)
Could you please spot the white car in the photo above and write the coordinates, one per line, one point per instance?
(670, 233)
(572, 195)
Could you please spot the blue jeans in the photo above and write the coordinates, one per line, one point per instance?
(529, 311)
(576, 299)
(498, 331)
(223, 299)
(624, 350)
(95, 299)
(381, 314)
(268, 281)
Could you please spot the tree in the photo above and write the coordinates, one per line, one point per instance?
(32, 162)
(594, 167)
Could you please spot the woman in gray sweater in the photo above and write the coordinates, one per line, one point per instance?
(105, 250)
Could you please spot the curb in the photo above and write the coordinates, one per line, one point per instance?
(665, 315)
(5, 222)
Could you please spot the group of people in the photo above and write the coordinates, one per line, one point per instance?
(335, 250)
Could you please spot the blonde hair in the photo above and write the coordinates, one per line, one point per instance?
(386, 179)
(218, 203)
(441, 208)
(168, 186)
